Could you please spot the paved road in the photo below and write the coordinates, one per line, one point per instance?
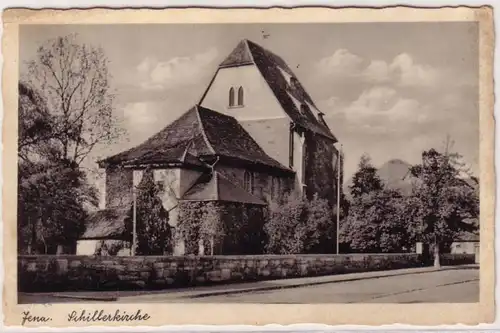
(455, 285)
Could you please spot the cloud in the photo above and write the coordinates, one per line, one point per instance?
(377, 71)
(402, 70)
(139, 113)
(143, 119)
(379, 106)
(342, 62)
(387, 124)
(175, 72)
(409, 73)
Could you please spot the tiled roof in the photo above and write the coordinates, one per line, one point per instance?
(215, 187)
(200, 132)
(282, 82)
(229, 139)
(106, 223)
(170, 145)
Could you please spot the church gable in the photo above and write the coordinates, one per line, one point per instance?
(240, 91)
(269, 86)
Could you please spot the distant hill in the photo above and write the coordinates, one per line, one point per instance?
(395, 174)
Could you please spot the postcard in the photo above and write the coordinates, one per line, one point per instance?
(248, 166)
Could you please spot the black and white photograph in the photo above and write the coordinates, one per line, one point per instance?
(258, 163)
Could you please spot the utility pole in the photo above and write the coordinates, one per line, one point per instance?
(134, 221)
(338, 197)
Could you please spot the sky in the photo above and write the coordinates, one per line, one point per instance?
(389, 90)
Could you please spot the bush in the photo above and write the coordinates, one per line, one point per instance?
(297, 225)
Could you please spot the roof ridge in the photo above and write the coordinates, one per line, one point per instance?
(146, 141)
(183, 157)
(203, 133)
(209, 85)
(291, 72)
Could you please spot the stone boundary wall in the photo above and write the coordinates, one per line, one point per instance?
(450, 259)
(43, 273)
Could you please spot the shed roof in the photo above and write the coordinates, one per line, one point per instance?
(216, 187)
(106, 224)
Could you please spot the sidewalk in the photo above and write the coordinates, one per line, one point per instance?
(235, 288)
(284, 283)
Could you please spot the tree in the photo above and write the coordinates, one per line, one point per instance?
(35, 123)
(74, 81)
(365, 180)
(153, 231)
(51, 199)
(52, 191)
(375, 222)
(296, 225)
(442, 201)
(65, 110)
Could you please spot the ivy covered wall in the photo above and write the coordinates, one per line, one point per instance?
(210, 228)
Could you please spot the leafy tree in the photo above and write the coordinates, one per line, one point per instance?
(296, 225)
(153, 231)
(65, 111)
(365, 180)
(376, 221)
(376, 224)
(73, 79)
(52, 191)
(442, 202)
(51, 200)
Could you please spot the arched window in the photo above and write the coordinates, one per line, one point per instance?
(240, 96)
(248, 181)
(231, 96)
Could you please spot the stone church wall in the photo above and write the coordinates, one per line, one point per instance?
(118, 187)
(265, 186)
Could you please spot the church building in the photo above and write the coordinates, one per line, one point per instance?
(254, 136)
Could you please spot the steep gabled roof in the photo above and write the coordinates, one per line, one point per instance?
(106, 224)
(216, 187)
(240, 56)
(200, 132)
(283, 83)
(178, 142)
(229, 139)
